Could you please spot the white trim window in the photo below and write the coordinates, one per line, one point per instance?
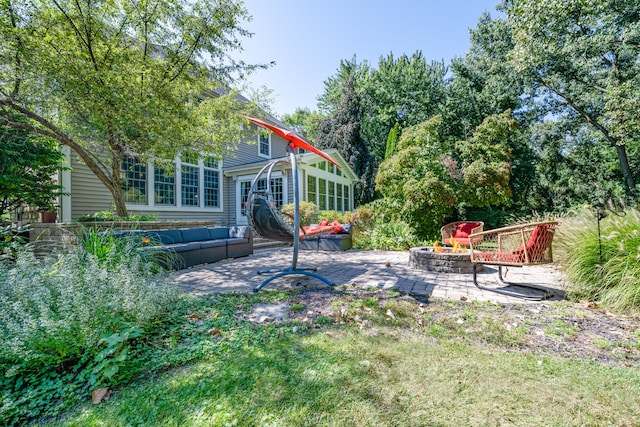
(264, 145)
(193, 184)
(134, 180)
(189, 180)
(164, 186)
(211, 182)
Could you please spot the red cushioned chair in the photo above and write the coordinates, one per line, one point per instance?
(459, 232)
(518, 246)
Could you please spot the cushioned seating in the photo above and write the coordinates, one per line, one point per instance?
(459, 232)
(330, 241)
(193, 246)
(518, 246)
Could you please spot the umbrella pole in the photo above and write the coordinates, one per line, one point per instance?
(296, 234)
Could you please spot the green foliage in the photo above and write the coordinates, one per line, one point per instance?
(111, 215)
(331, 216)
(342, 130)
(59, 314)
(392, 141)
(428, 177)
(605, 269)
(307, 210)
(415, 182)
(580, 59)
(377, 226)
(108, 361)
(29, 164)
(12, 240)
(305, 122)
(113, 77)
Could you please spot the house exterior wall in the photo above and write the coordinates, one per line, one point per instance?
(89, 195)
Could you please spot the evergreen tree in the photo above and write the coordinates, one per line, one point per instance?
(342, 130)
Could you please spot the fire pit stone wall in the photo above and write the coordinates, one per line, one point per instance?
(445, 261)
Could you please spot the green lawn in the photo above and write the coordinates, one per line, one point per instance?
(377, 360)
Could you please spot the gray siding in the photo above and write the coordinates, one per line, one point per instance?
(247, 151)
(88, 194)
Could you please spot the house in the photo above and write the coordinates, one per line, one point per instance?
(209, 189)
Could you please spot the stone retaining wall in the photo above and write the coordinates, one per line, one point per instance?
(46, 238)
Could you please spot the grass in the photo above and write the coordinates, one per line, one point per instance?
(602, 267)
(377, 360)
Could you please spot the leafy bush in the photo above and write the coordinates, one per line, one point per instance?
(376, 227)
(331, 216)
(12, 240)
(307, 212)
(110, 216)
(605, 269)
(67, 324)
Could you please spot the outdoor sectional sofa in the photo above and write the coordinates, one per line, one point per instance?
(193, 246)
(340, 241)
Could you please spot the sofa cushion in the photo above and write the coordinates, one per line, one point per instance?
(213, 243)
(185, 247)
(464, 229)
(218, 232)
(195, 234)
(165, 237)
(239, 231)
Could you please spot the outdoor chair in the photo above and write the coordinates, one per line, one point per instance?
(459, 232)
(514, 246)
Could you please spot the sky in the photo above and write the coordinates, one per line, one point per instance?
(307, 39)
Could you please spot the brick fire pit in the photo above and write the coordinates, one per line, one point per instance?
(443, 261)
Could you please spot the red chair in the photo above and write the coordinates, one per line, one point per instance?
(518, 246)
(459, 232)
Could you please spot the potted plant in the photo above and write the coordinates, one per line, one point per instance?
(49, 213)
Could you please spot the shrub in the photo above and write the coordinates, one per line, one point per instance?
(12, 240)
(376, 227)
(331, 216)
(110, 216)
(67, 324)
(307, 212)
(605, 269)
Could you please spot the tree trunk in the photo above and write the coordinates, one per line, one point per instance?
(621, 149)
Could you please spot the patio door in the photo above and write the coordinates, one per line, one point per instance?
(242, 191)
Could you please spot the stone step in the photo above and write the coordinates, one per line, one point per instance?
(260, 243)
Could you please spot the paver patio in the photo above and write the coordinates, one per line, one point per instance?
(378, 269)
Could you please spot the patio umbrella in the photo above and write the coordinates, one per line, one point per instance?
(294, 140)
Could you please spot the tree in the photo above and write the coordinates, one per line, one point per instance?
(484, 82)
(107, 78)
(28, 165)
(581, 58)
(341, 130)
(392, 141)
(404, 90)
(428, 175)
(305, 122)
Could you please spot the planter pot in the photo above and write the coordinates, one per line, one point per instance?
(49, 217)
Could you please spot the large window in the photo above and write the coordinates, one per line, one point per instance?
(190, 180)
(322, 194)
(328, 194)
(164, 187)
(134, 175)
(264, 145)
(196, 184)
(311, 189)
(211, 183)
(332, 195)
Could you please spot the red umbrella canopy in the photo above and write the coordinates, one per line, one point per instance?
(294, 140)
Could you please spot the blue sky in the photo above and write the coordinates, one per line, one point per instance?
(307, 39)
